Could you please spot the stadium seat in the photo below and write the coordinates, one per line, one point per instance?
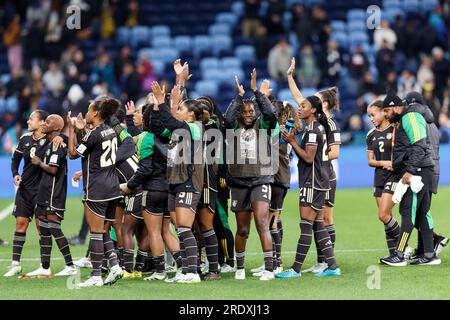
(428, 5)
(140, 35)
(228, 75)
(245, 53)
(338, 25)
(221, 43)
(209, 63)
(212, 74)
(158, 67)
(219, 29)
(229, 18)
(202, 43)
(387, 4)
(341, 38)
(358, 37)
(123, 35)
(357, 25)
(284, 94)
(207, 88)
(161, 42)
(151, 53)
(238, 8)
(169, 54)
(287, 20)
(356, 14)
(411, 5)
(306, 92)
(183, 43)
(12, 104)
(230, 62)
(160, 30)
(391, 14)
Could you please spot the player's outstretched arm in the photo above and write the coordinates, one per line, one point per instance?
(71, 143)
(233, 110)
(295, 91)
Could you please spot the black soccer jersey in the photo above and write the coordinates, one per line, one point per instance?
(28, 148)
(380, 143)
(127, 168)
(333, 138)
(315, 175)
(282, 176)
(98, 150)
(53, 189)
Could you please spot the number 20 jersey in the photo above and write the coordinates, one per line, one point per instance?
(98, 151)
(380, 143)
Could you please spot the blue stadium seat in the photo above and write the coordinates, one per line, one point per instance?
(212, 74)
(219, 29)
(4, 78)
(287, 20)
(356, 14)
(162, 42)
(228, 75)
(202, 43)
(357, 25)
(207, 88)
(158, 67)
(306, 92)
(140, 35)
(392, 13)
(230, 62)
(160, 30)
(411, 5)
(209, 63)
(221, 43)
(284, 94)
(245, 53)
(12, 104)
(391, 4)
(169, 54)
(338, 25)
(358, 37)
(238, 8)
(428, 5)
(183, 43)
(229, 18)
(151, 53)
(341, 38)
(123, 35)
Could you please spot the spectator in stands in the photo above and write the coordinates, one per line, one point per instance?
(67, 55)
(17, 83)
(124, 57)
(53, 31)
(385, 33)
(82, 68)
(301, 24)
(425, 74)
(279, 60)
(358, 63)
(319, 25)
(413, 44)
(37, 12)
(309, 75)
(108, 22)
(132, 15)
(441, 68)
(276, 7)
(78, 101)
(104, 69)
(12, 40)
(37, 85)
(333, 64)
(274, 25)
(385, 60)
(54, 79)
(355, 127)
(444, 128)
(251, 20)
(368, 85)
(261, 42)
(390, 83)
(129, 83)
(430, 98)
(400, 33)
(146, 75)
(407, 83)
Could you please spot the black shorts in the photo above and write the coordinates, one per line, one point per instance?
(208, 200)
(103, 209)
(277, 197)
(312, 198)
(133, 205)
(242, 198)
(389, 187)
(183, 199)
(43, 211)
(330, 195)
(155, 203)
(25, 203)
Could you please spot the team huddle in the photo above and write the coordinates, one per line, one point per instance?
(163, 174)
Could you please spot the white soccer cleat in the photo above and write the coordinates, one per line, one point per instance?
(408, 253)
(39, 272)
(318, 267)
(278, 270)
(94, 281)
(157, 276)
(226, 268)
(441, 245)
(189, 278)
(266, 276)
(175, 278)
(115, 274)
(67, 271)
(239, 274)
(83, 263)
(170, 269)
(259, 269)
(13, 270)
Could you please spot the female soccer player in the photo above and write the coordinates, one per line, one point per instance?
(185, 171)
(314, 182)
(98, 150)
(30, 145)
(251, 174)
(379, 156)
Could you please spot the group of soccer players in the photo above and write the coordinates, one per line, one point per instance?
(173, 163)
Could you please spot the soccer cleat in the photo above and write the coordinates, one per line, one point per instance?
(189, 278)
(267, 275)
(137, 274)
(259, 269)
(440, 244)
(239, 274)
(408, 253)
(13, 270)
(278, 270)
(83, 263)
(289, 273)
(204, 267)
(115, 274)
(94, 281)
(75, 241)
(175, 278)
(39, 272)
(211, 276)
(170, 269)
(329, 273)
(394, 261)
(424, 261)
(226, 268)
(67, 271)
(3, 243)
(128, 275)
(157, 276)
(318, 267)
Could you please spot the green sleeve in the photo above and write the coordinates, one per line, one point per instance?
(415, 126)
(195, 131)
(266, 125)
(121, 132)
(145, 144)
(166, 133)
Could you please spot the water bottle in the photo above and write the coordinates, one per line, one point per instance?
(289, 125)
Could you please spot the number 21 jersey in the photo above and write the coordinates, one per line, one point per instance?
(98, 151)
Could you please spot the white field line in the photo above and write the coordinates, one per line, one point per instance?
(247, 253)
(6, 212)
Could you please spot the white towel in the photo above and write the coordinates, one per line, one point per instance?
(416, 185)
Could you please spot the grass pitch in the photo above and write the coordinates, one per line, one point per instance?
(360, 243)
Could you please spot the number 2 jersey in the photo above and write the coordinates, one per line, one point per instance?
(380, 143)
(98, 151)
(315, 175)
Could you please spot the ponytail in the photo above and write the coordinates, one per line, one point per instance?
(106, 106)
(330, 97)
